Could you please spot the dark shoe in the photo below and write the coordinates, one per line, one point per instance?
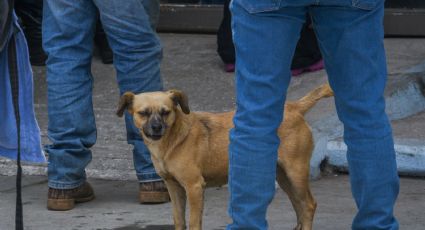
(311, 68)
(65, 199)
(230, 67)
(153, 193)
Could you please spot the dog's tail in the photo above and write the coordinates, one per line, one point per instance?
(309, 100)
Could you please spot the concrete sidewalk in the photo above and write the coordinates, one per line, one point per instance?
(192, 65)
(116, 207)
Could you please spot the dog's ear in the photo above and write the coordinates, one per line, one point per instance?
(180, 98)
(126, 102)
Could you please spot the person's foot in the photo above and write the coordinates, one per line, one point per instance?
(311, 68)
(229, 67)
(153, 193)
(65, 199)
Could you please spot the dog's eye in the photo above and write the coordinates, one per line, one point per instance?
(144, 113)
(165, 112)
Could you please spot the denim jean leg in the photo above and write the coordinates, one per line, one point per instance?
(351, 40)
(141, 155)
(68, 40)
(265, 42)
(129, 26)
(152, 10)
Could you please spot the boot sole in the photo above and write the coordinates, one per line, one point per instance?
(66, 204)
(154, 197)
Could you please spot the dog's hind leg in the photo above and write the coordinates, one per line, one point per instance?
(178, 201)
(295, 183)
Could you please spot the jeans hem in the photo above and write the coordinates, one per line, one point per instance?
(149, 180)
(65, 185)
(148, 177)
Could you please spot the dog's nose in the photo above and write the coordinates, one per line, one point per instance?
(156, 127)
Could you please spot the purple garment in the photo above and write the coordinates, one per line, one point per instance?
(31, 150)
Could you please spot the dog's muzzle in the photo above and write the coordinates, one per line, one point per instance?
(154, 130)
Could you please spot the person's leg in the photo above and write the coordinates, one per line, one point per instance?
(265, 38)
(68, 40)
(102, 44)
(307, 57)
(30, 14)
(225, 47)
(351, 39)
(129, 26)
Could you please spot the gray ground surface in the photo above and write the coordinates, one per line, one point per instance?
(191, 64)
(116, 207)
(410, 127)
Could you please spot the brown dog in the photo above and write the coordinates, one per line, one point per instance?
(190, 150)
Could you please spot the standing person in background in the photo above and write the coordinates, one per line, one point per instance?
(30, 13)
(68, 31)
(350, 35)
(307, 56)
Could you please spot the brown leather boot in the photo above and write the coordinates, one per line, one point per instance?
(65, 199)
(153, 193)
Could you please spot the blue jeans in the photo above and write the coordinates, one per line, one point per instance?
(350, 34)
(68, 30)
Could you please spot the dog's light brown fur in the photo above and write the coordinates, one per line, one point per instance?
(192, 153)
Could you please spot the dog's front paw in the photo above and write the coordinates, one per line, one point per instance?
(298, 227)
